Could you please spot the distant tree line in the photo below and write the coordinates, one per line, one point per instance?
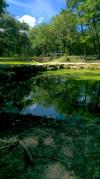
(74, 31)
(14, 36)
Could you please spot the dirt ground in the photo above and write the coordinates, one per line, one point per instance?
(63, 151)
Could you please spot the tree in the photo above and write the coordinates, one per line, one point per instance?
(3, 6)
(88, 18)
(74, 31)
(42, 38)
(14, 38)
(64, 27)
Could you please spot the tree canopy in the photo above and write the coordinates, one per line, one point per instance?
(3, 6)
(74, 31)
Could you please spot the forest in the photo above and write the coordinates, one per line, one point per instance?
(74, 31)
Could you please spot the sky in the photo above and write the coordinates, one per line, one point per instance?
(34, 12)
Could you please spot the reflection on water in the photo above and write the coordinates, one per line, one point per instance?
(39, 110)
(56, 97)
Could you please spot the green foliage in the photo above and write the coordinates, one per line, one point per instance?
(87, 18)
(74, 31)
(14, 38)
(3, 6)
(43, 39)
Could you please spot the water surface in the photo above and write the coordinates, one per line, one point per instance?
(55, 96)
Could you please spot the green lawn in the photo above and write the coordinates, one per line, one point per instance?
(48, 60)
(82, 74)
(18, 63)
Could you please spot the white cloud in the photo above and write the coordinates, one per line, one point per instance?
(38, 8)
(41, 19)
(30, 20)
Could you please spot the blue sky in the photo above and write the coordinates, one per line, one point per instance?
(35, 11)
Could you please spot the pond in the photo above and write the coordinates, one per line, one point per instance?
(57, 97)
(60, 115)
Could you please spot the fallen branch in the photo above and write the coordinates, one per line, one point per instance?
(26, 151)
(12, 143)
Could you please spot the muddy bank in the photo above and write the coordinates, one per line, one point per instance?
(62, 150)
(17, 73)
(17, 122)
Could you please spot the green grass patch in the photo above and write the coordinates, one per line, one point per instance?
(76, 59)
(83, 74)
(62, 59)
(18, 63)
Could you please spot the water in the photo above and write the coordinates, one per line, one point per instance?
(40, 110)
(52, 97)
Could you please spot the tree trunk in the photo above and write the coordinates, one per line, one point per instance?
(97, 37)
(92, 37)
(85, 45)
(64, 46)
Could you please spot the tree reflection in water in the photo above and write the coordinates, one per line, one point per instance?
(67, 97)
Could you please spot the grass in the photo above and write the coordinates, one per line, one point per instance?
(18, 63)
(82, 74)
(48, 60)
(18, 60)
(76, 59)
(88, 71)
